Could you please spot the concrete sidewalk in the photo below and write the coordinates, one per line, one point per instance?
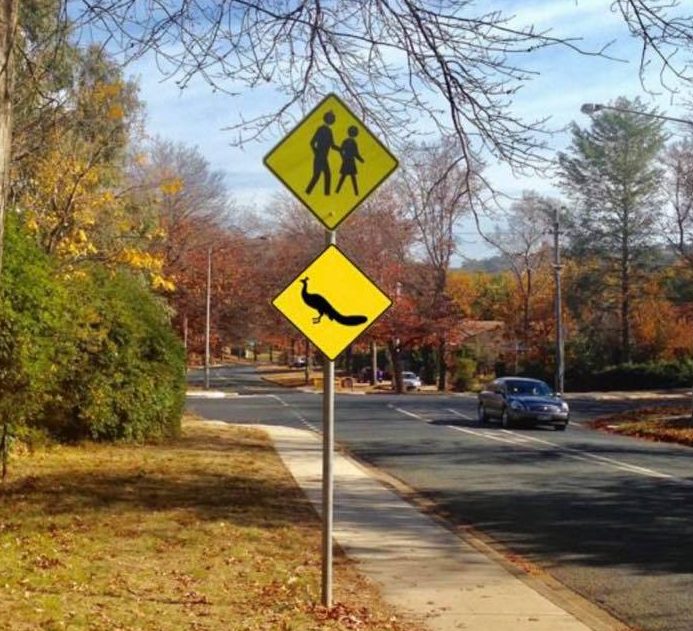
(421, 567)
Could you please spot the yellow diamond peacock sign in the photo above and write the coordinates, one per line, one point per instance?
(332, 302)
(331, 162)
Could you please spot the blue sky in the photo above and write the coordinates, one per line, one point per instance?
(196, 115)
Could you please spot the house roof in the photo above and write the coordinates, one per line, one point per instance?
(472, 328)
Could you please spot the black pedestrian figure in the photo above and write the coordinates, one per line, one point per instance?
(321, 143)
(350, 153)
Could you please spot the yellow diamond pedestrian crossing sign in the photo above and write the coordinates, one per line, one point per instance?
(332, 302)
(331, 162)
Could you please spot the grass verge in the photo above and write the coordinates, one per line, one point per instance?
(208, 532)
(662, 424)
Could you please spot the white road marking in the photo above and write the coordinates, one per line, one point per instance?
(521, 440)
(611, 461)
(416, 416)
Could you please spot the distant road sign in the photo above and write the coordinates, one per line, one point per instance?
(332, 302)
(331, 161)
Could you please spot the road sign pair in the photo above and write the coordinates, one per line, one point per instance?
(331, 162)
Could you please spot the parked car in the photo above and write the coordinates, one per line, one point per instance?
(410, 380)
(298, 362)
(365, 374)
(514, 400)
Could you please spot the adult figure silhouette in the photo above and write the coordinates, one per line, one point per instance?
(321, 143)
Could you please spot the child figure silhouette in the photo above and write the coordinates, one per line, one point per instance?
(350, 153)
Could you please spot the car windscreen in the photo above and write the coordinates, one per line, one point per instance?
(528, 388)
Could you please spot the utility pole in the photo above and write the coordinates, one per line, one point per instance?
(560, 369)
(207, 320)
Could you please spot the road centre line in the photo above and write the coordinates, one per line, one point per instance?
(576, 454)
(617, 463)
(512, 438)
(418, 417)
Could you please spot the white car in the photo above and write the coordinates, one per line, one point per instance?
(410, 380)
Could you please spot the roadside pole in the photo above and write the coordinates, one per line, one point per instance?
(560, 370)
(208, 315)
(327, 462)
(331, 302)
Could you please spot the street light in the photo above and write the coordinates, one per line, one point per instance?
(560, 368)
(208, 315)
(209, 305)
(593, 108)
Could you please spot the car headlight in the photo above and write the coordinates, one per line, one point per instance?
(564, 406)
(517, 405)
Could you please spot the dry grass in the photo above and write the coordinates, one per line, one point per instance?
(206, 533)
(662, 424)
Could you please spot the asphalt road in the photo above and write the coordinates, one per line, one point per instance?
(609, 516)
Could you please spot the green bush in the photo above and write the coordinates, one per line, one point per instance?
(641, 376)
(86, 355)
(127, 379)
(465, 371)
(33, 313)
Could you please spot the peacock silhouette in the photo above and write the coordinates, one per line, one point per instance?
(323, 307)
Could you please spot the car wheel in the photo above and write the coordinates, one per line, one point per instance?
(561, 427)
(505, 419)
(481, 416)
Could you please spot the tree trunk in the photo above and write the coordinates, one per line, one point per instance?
(374, 363)
(4, 449)
(396, 358)
(525, 324)
(8, 29)
(442, 366)
(625, 304)
(306, 369)
(348, 360)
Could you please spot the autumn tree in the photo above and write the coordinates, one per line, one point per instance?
(434, 190)
(379, 239)
(611, 174)
(470, 61)
(523, 244)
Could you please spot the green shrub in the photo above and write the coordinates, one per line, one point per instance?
(643, 376)
(127, 379)
(33, 313)
(86, 355)
(465, 370)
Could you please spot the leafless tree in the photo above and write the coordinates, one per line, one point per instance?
(666, 36)
(679, 189)
(190, 200)
(397, 62)
(522, 242)
(435, 191)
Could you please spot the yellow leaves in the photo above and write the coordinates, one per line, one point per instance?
(150, 263)
(108, 98)
(163, 284)
(171, 185)
(32, 224)
(141, 260)
(115, 112)
(107, 91)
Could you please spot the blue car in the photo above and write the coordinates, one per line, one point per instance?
(516, 400)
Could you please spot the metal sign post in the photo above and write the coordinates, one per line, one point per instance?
(331, 139)
(327, 462)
